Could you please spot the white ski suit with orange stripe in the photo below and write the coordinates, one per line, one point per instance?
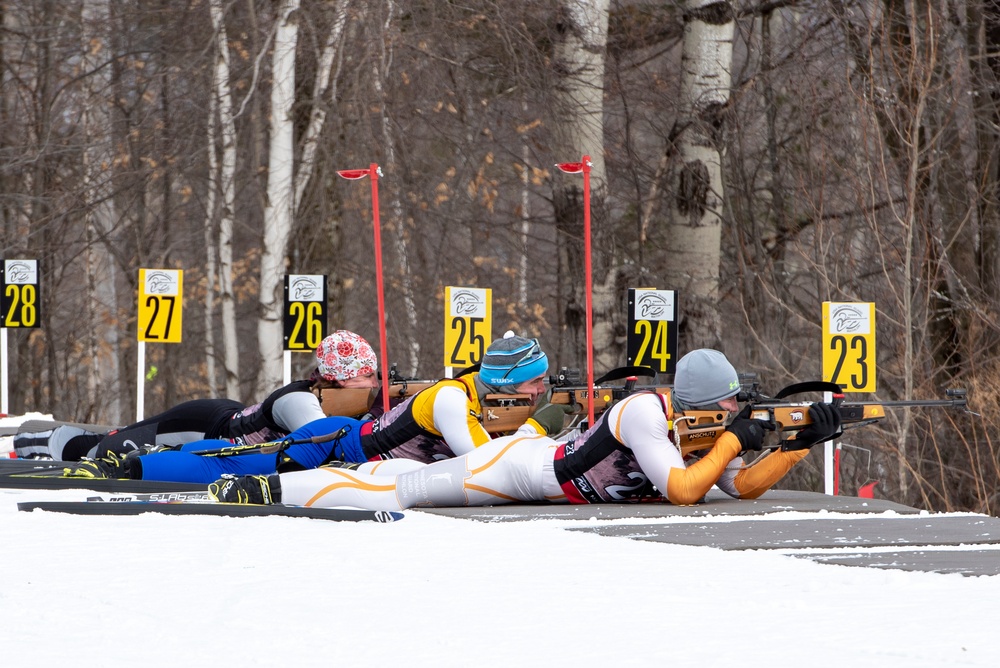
(628, 455)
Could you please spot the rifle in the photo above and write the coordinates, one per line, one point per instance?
(271, 447)
(502, 413)
(507, 412)
(697, 430)
(354, 401)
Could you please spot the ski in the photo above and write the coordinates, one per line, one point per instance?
(129, 507)
(155, 497)
(8, 466)
(52, 478)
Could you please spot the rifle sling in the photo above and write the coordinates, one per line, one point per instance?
(623, 372)
(808, 386)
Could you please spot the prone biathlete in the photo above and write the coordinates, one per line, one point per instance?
(446, 419)
(629, 455)
(344, 360)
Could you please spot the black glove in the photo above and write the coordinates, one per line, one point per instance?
(825, 425)
(552, 417)
(750, 432)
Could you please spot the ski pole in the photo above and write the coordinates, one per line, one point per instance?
(272, 447)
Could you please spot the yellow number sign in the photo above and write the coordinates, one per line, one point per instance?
(849, 345)
(161, 296)
(652, 335)
(19, 299)
(305, 311)
(468, 321)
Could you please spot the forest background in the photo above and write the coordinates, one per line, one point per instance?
(758, 157)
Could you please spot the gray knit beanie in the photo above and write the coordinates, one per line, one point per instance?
(704, 377)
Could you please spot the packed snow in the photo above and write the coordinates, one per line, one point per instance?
(157, 590)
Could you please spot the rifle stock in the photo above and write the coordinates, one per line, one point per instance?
(601, 397)
(506, 412)
(351, 401)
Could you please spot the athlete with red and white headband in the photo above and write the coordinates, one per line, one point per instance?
(343, 359)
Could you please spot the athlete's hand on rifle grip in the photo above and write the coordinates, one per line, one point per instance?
(750, 432)
(552, 417)
(825, 425)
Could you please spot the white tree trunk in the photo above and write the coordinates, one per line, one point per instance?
(227, 186)
(211, 267)
(580, 55)
(695, 224)
(103, 379)
(280, 198)
(323, 83)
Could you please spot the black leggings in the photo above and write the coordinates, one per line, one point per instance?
(186, 422)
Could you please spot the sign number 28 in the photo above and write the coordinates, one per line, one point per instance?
(22, 310)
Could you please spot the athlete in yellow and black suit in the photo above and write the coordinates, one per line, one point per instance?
(442, 421)
(445, 420)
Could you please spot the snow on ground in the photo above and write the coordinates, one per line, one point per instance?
(157, 590)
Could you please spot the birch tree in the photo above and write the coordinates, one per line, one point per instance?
(222, 101)
(694, 227)
(103, 381)
(211, 252)
(278, 212)
(579, 54)
(324, 88)
(287, 182)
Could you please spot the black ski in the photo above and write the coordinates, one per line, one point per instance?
(8, 466)
(52, 478)
(158, 497)
(209, 508)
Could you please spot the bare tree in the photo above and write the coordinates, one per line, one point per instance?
(103, 383)
(696, 184)
(222, 102)
(579, 51)
(280, 195)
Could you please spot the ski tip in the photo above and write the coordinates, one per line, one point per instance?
(131, 506)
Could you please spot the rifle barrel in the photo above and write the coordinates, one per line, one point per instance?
(960, 403)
